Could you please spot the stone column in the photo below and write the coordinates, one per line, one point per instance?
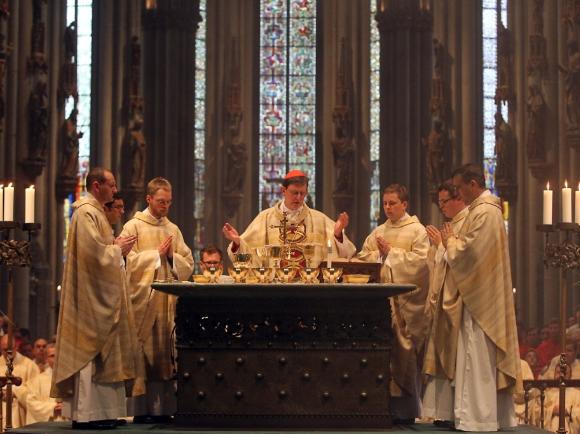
(406, 41)
(169, 49)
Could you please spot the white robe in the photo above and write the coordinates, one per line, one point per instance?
(39, 405)
(26, 369)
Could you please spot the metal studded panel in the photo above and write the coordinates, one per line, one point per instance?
(272, 362)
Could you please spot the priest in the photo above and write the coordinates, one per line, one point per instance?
(160, 253)
(441, 308)
(487, 365)
(95, 340)
(401, 246)
(293, 221)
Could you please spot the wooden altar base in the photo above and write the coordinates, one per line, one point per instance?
(65, 427)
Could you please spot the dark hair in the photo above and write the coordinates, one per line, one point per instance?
(296, 180)
(96, 174)
(400, 189)
(116, 196)
(470, 172)
(209, 249)
(449, 188)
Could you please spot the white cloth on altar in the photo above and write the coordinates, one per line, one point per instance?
(479, 406)
(93, 401)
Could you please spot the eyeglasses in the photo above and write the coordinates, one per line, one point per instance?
(211, 263)
(444, 201)
(391, 204)
(119, 207)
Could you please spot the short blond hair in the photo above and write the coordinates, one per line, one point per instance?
(158, 183)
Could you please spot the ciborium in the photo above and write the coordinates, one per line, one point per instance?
(237, 273)
(331, 275)
(286, 275)
(309, 275)
(213, 273)
(264, 274)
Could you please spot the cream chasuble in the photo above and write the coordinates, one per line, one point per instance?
(94, 323)
(441, 349)
(305, 225)
(405, 263)
(154, 311)
(479, 264)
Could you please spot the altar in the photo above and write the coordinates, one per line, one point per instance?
(283, 355)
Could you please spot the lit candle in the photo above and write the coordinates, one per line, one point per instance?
(328, 253)
(29, 205)
(566, 203)
(9, 203)
(1, 203)
(548, 201)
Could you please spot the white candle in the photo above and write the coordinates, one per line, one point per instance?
(29, 205)
(328, 253)
(548, 202)
(1, 203)
(9, 203)
(566, 203)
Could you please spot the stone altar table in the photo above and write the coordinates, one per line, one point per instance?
(283, 355)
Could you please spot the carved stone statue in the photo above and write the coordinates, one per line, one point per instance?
(38, 122)
(235, 159)
(572, 80)
(343, 151)
(70, 42)
(435, 145)
(68, 78)
(135, 77)
(137, 148)
(504, 149)
(69, 165)
(536, 123)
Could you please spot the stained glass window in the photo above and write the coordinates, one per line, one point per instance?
(375, 111)
(493, 12)
(199, 151)
(287, 95)
(81, 13)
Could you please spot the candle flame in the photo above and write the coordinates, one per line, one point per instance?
(566, 183)
(10, 185)
(1, 185)
(32, 186)
(548, 185)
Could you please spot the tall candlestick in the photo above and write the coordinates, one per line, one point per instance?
(1, 203)
(548, 201)
(29, 205)
(566, 203)
(9, 203)
(328, 253)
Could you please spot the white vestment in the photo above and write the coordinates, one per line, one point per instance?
(93, 400)
(39, 404)
(26, 369)
(476, 394)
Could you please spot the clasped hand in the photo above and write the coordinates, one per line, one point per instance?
(165, 247)
(126, 243)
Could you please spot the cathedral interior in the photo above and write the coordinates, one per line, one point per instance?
(223, 97)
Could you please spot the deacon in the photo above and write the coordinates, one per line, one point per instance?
(303, 225)
(95, 346)
(401, 245)
(160, 253)
(441, 348)
(487, 366)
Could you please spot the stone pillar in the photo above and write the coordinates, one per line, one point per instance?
(406, 42)
(169, 49)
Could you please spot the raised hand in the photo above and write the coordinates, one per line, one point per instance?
(384, 246)
(231, 234)
(126, 243)
(446, 233)
(165, 247)
(341, 223)
(434, 235)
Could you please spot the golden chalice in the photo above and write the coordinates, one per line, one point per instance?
(264, 274)
(286, 275)
(331, 275)
(309, 275)
(242, 260)
(238, 274)
(213, 273)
